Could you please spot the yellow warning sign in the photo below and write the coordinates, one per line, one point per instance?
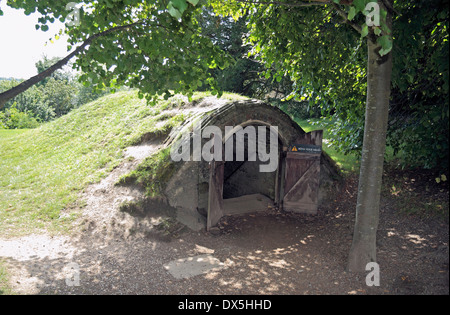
(305, 148)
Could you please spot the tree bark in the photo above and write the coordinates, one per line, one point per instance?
(363, 249)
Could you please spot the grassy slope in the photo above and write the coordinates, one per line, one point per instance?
(42, 170)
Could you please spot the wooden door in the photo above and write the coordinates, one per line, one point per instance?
(302, 174)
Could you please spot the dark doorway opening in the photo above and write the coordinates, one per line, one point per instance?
(245, 187)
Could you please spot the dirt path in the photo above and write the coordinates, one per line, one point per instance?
(264, 253)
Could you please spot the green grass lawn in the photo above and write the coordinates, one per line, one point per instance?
(10, 133)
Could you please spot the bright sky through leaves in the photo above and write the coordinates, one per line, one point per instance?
(21, 45)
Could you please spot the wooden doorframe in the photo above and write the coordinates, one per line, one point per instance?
(215, 209)
(215, 195)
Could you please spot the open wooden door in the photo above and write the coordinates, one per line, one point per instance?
(302, 175)
(215, 200)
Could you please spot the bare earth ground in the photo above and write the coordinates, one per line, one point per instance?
(265, 253)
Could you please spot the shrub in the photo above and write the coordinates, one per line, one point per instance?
(12, 118)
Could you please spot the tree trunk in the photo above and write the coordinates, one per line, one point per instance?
(363, 248)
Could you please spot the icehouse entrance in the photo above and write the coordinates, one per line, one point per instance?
(206, 191)
(245, 187)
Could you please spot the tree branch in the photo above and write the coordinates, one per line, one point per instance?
(390, 7)
(25, 85)
(344, 15)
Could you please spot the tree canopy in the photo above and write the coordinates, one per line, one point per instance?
(165, 47)
(135, 43)
(327, 65)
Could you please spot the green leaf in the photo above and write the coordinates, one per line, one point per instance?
(364, 30)
(386, 44)
(377, 31)
(351, 13)
(174, 12)
(359, 5)
(384, 52)
(383, 14)
(181, 5)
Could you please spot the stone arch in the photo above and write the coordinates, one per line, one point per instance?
(244, 112)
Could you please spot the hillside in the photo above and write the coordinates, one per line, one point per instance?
(43, 170)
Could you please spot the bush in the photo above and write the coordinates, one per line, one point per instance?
(12, 118)
(51, 98)
(2, 117)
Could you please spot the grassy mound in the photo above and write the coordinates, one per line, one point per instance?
(43, 170)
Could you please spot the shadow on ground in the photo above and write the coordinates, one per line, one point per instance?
(264, 253)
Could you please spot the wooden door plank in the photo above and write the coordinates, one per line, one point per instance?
(303, 196)
(294, 171)
(215, 200)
